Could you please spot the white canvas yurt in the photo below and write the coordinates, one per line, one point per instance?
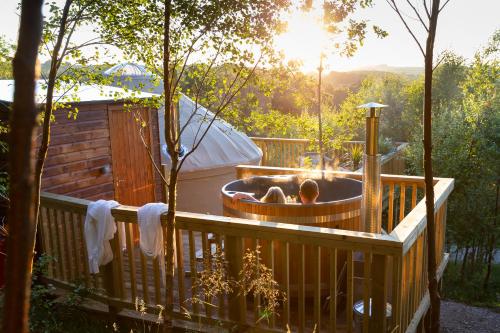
(212, 164)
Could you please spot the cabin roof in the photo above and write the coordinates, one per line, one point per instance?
(81, 94)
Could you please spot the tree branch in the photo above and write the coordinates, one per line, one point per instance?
(444, 5)
(198, 91)
(427, 9)
(216, 114)
(173, 86)
(221, 103)
(418, 15)
(440, 60)
(148, 148)
(393, 5)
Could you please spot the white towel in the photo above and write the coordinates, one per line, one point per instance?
(99, 229)
(151, 234)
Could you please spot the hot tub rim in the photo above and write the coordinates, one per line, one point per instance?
(349, 200)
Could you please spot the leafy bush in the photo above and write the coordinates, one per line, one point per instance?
(50, 313)
(385, 145)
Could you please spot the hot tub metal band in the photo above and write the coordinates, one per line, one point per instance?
(293, 219)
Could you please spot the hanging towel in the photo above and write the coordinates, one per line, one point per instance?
(151, 234)
(99, 229)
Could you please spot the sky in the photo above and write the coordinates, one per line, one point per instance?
(463, 27)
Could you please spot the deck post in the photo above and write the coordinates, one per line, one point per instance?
(112, 277)
(379, 296)
(109, 286)
(234, 256)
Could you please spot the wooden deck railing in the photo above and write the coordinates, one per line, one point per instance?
(280, 152)
(286, 153)
(384, 268)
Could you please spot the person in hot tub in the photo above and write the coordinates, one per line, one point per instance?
(273, 195)
(309, 191)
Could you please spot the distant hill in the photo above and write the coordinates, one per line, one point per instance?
(411, 71)
(348, 80)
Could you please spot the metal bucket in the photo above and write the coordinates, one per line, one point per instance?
(358, 309)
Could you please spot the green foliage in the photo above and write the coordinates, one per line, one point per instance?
(80, 50)
(385, 145)
(53, 314)
(6, 54)
(338, 126)
(468, 289)
(338, 20)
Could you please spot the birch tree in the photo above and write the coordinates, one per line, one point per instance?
(426, 14)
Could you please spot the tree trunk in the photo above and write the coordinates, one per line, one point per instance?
(169, 283)
(21, 215)
(320, 122)
(492, 241)
(464, 264)
(473, 254)
(170, 139)
(429, 180)
(47, 114)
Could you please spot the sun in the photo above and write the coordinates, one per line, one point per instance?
(304, 40)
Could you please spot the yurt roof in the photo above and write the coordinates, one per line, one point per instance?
(134, 76)
(128, 69)
(222, 146)
(78, 94)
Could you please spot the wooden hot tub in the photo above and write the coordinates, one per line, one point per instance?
(339, 206)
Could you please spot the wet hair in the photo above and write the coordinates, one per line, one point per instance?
(274, 195)
(309, 189)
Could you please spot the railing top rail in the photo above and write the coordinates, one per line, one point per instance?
(72, 204)
(293, 233)
(289, 140)
(264, 170)
(271, 139)
(408, 230)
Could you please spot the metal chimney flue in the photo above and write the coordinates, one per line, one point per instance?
(371, 210)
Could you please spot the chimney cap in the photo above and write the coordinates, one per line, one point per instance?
(372, 105)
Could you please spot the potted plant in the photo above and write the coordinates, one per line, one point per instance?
(356, 156)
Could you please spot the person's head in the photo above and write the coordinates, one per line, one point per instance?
(309, 191)
(274, 195)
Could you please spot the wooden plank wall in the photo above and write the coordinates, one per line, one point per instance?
(81, 147)
(79, 150)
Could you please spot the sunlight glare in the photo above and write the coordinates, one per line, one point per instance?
(304, 39)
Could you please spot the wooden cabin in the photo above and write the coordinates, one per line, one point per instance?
(97, 153)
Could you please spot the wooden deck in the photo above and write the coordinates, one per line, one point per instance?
(384, 268)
